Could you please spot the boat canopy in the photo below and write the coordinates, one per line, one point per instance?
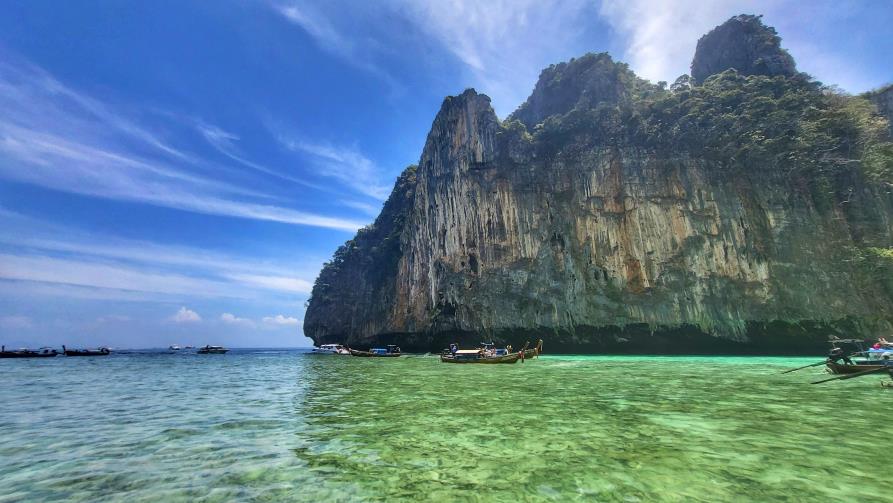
(468, 351)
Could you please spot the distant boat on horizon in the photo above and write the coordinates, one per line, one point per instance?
(217, 350)
(174, 347)
(86, 352)
(28, 353)
(331, 349)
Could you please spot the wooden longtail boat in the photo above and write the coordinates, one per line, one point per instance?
(838, 368)
(86, 352)
(837, 363)
(391, 351)
(28, 353)
(487, 355)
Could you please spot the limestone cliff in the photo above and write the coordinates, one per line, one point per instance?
(742, 43)
(883, 99)
(610, 214)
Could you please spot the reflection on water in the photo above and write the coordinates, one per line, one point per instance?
(273, 426)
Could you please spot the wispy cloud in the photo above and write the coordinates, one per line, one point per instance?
(185, 315)
(503, 43)
(281, 283)
(231, 319)
(358, 53)
(79, 264)
(348, 165)
(224, 142)
(280, 320)
(55, 137)
(16, 322)
(661, 36)
(369, 209)
(110, 276)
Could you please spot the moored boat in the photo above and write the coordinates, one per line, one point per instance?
(488, 353)
(28, 353)
(212, 350)
(174, 347)
(391, 351)
(838, 368)
(86, 352)
(839, 362)
(331, 349)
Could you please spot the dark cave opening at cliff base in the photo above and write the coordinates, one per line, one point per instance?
(777, 337)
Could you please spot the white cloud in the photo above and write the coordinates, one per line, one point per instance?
(59, 261)
(280, 283)
(16, 322)
(345, 164)
(111, 276)
(113, 318)
(185, 316)
(328, 38)
(224, 142)
(280, 320)
(661, 36)
(232, 319)
(503, 43)
(55, 137)
(369, 209)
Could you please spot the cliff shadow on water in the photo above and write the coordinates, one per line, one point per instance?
(744, 210)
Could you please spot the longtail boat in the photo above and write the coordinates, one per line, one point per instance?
(488, 353)
(837, 368)
(871, 359)
(86, 352)
(28, 353)
(391, 351)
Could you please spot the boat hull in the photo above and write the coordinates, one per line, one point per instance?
(522, 355)
(837, 368)
(17, 354)
(369, 354)
(512, 358)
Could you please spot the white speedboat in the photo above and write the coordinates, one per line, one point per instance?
(174, 348)
(331, 349)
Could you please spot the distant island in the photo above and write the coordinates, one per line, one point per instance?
(745, 208)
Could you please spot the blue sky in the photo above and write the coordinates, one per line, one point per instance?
(177, 172)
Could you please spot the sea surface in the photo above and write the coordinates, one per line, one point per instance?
(283, 425)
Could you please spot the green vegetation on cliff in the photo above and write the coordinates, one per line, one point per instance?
(776, 123)
(373, 252)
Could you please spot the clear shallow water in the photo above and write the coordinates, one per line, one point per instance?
(282, 425)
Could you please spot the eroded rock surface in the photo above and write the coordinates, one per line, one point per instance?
(742, 43)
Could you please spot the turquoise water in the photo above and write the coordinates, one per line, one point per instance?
(283, 426)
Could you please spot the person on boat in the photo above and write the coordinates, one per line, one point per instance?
(883, 343)
(837, 354)
(453, 348)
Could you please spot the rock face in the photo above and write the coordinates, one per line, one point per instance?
(580, 83)
(883, 100)
(605, 240)
(742, 43)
